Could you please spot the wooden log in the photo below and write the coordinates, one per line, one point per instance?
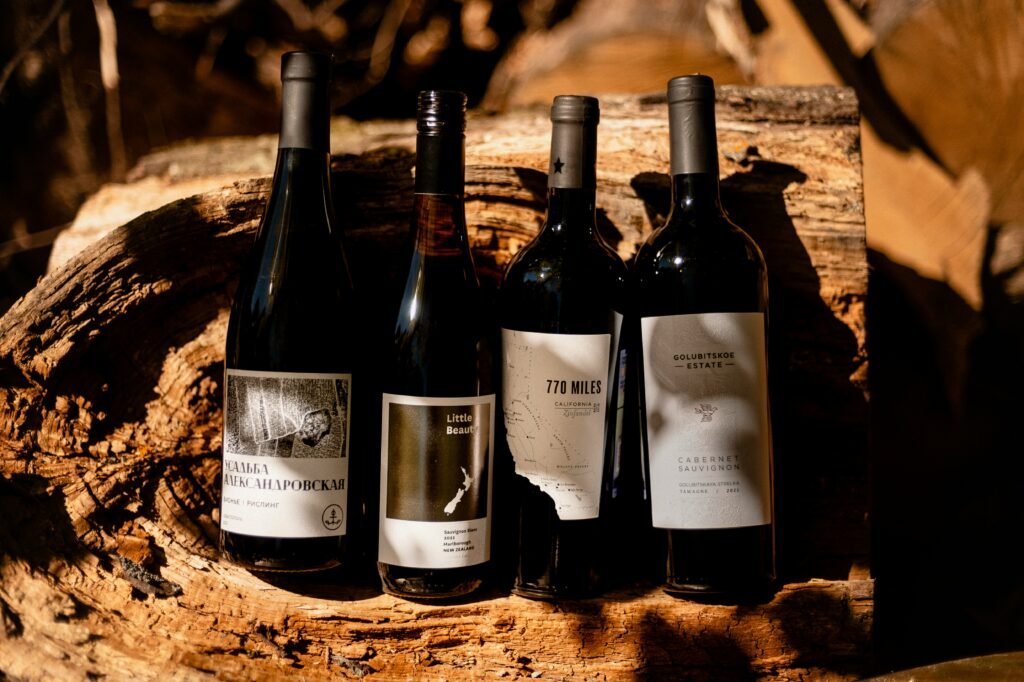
(972, 54)
(930, 228)
(629, 46)
(110, 375)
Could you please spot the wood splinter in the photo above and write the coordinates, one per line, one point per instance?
(147, 581)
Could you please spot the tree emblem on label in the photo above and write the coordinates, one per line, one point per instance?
(705, 411)
(332, 517)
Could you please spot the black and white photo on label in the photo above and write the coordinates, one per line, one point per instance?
(437, 462)
(286, 417)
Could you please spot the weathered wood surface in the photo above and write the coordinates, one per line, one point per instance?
(110, 423)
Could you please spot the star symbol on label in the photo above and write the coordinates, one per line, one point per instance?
(558, 165)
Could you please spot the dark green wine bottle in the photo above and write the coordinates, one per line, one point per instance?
(560, 309)
(700, 289)
(290, 355)
(437, 437)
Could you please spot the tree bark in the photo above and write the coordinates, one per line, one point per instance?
(110, 423)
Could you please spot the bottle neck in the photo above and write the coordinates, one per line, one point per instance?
(570, 212)
(302, 175)
(300, 196)
(572, 178)
(440, 221)
(696, 194)
(441, 164)
(694, 153)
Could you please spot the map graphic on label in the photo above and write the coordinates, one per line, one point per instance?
(708, 435)
(285, 466)
(555, 399)
(436, 457)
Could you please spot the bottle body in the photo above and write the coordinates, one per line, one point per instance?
(560, 311)
(701, 295)
(437, 435)
(288, 371)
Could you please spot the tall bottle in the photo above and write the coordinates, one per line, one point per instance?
(560, 313)
(289, 357)
(437, 435)
(701, 292)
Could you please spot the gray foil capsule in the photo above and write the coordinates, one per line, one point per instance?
(574, 120)
(691, 116)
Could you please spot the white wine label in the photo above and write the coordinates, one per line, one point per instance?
(708, 435)
(436, 457)
(555, 399)
(285, 467)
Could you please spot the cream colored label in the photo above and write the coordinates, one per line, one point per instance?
(435, 481)
(708, 435)
(285, 463)
(555, 400)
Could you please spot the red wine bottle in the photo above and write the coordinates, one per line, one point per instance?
(700, 289)
(437, 435)
(560, 314)
(290, 355)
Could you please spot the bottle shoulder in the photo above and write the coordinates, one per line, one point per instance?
(441, 305)
(710, 242)
(563, 290)
(559, 258)
(684, 269)
(315, 268)
(439, 346)
(293, 306)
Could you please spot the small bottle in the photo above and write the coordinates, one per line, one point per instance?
(560, 309)
(437, 436)
(700, 289)
(289, 360)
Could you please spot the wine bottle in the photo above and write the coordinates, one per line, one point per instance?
(437, 435)
(289, 357)
(560, 313)
(701, 293)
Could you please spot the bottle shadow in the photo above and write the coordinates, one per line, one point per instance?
(672, 652)
(824, 632)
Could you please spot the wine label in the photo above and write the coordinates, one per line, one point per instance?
(708, 435)
(555, 398)
(285, 466)
(436, 457)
